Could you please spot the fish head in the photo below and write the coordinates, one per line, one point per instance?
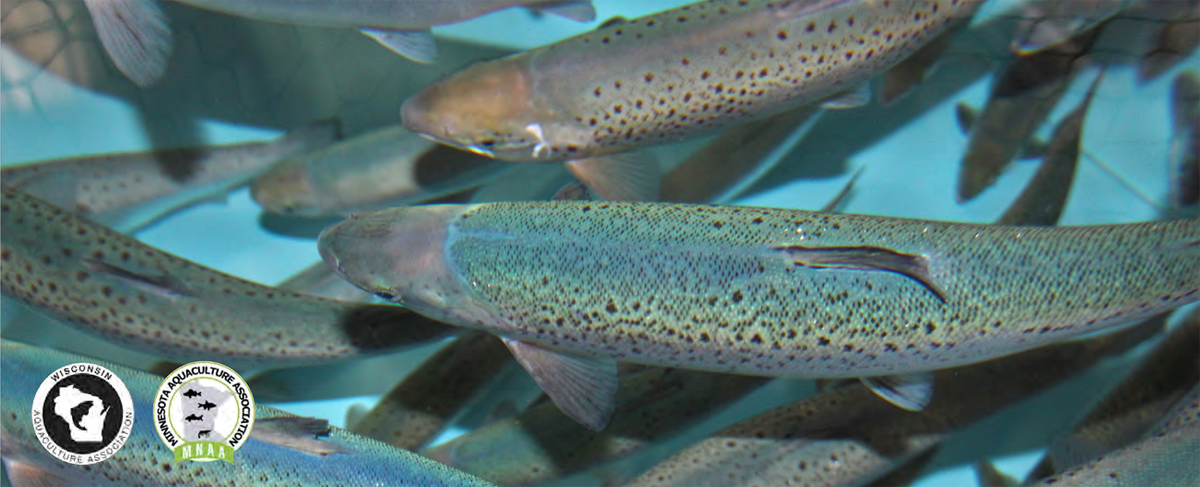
(287, 189)
(489, 109)
(399, 254)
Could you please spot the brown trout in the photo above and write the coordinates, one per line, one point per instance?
(385, 168)
(129, 191)
(573, 286)
(673, 75)
(112, 286)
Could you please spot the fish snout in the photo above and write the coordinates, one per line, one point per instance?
(396, 254)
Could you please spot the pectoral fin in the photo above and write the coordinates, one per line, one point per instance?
(908, 391)
(160, 285)
(584, 388)
(577, 10)
(297, 433)
(416, 45)
(915, 267)
(22, 474)
(632, 176)
(857, 97)
(136, 36)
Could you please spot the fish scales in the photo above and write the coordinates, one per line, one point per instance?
(682, 72)
(210, 316)
(707, 287)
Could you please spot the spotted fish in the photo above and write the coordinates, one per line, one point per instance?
(282, 449)
(574, 286)
(671, 76)
(847, 436)
(129, 191)
(138, 39)
(112, 286)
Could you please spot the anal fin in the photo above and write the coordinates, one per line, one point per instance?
(297, 433)
(911, 392)
(416, 45)
(854, 98)
(584, 388)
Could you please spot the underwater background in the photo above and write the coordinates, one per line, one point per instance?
(909, 154)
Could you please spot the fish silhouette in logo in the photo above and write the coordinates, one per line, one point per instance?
(206, 405)
(193, 417)
(191, 394)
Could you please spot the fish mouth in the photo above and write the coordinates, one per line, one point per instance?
(468, 146)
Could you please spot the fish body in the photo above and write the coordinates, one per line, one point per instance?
(129, 191)
(673, 75)
(847, 436)
(1185, 140)
(541, 444)
(1163, 460)
(419, 407)
(387, 167)
(145, 459)
(758, 291)
(138, 39)
(112, 286)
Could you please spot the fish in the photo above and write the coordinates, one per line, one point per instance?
(1048, 23)
(282, 449)
(731, 163)
(319, 280)
(1185, 140)
(138, 39)
(384, 168)
(1043, 199)
(415, 411)
(541, 444)
(1023, 94)
(906, 76)
(131, 191)
(847, 436)
(1177, 37)
(126, 292)
(1131, 409)
(965, 116)
(756, 291)
(1165, 458)
(671, 76)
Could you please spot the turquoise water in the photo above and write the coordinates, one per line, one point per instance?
(909, 172)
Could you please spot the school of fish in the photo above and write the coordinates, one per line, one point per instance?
(646, 308)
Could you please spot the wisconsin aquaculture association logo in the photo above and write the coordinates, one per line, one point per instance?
(204, 412)
(82, 413)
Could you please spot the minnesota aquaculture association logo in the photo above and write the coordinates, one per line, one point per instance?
(82, 413)
(204, 412)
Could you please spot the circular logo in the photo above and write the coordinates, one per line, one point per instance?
(82, 413)
(204, 412)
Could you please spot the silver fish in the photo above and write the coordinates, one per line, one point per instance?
(130, 191)
(387, 167)
(115, 287)
(574, 286)
(1165, 459)
(670, 76)
(282, 452)
(138, 40)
